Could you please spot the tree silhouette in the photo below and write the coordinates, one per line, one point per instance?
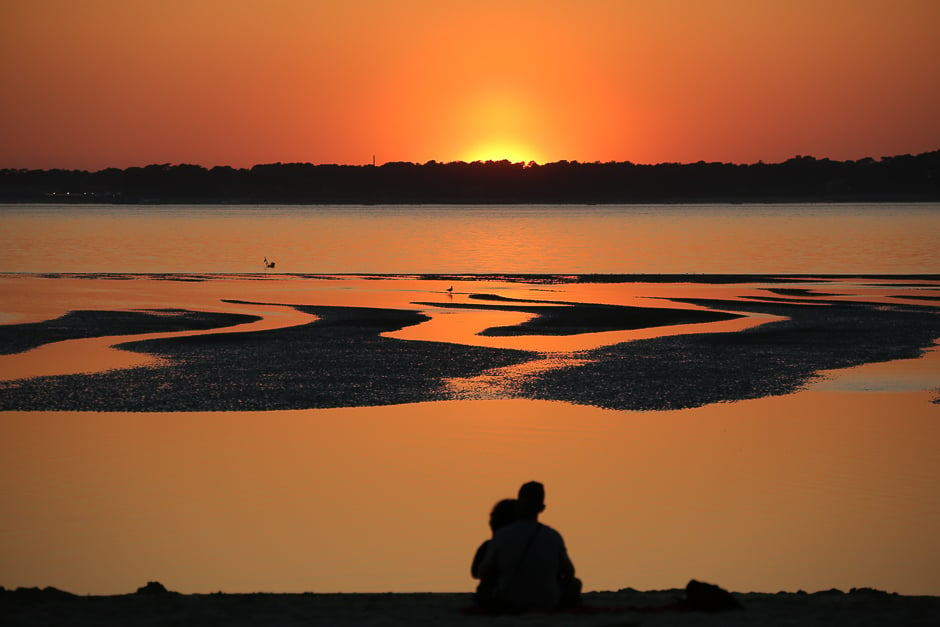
(802, 178)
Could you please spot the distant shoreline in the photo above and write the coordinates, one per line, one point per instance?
(903, 178)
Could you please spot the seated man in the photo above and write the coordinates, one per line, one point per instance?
(529, 561)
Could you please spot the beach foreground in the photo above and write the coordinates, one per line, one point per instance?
(152, 605)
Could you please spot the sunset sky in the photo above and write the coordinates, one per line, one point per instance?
(116, 83)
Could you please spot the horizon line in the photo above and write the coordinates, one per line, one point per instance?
(525, 164)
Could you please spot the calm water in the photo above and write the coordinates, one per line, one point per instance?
(834, 486)
(837, 239)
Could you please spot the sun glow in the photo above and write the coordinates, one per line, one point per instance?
(501, 124)
(500, 150)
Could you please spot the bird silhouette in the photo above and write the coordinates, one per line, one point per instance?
(268, 264)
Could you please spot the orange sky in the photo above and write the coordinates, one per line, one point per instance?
(102, 83)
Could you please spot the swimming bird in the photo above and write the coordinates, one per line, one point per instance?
(268, 264)
(450, 289)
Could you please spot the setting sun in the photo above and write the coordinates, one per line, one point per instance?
(499, 150)
(502, 124)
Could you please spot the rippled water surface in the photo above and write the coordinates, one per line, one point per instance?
(813, 238)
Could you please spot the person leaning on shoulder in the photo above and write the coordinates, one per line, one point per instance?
(503, 513)
(528, 562)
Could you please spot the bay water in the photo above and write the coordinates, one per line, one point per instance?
(832, 486)
(566, 239)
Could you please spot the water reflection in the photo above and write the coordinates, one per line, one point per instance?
(806, 491)
(828, 487)
(464, 327)
(824, 238)
(506, 382)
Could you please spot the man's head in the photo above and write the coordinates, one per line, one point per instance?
(531, 499)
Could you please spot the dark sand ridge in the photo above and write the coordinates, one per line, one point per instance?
(84, 346)
(553, 317)
(859, 607)
(339, 360)
(16, 338)
(342, 360)
(771, 359)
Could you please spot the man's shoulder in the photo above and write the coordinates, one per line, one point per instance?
(515, 528)
(525, 528)
(515, 532)
(550, 531)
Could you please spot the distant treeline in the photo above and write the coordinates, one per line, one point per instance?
(900, 178)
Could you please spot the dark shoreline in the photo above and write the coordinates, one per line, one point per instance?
(48, 606)
(800, 179)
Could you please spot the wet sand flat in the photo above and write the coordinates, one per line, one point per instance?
(348, 355)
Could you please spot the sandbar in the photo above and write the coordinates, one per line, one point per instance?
(348, 356)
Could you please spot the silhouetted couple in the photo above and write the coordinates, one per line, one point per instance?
(525, 565)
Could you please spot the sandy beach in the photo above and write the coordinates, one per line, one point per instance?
(624, 608)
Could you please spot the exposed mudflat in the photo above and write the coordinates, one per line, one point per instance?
(16, 338)
(775, 358)
(341, 359)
